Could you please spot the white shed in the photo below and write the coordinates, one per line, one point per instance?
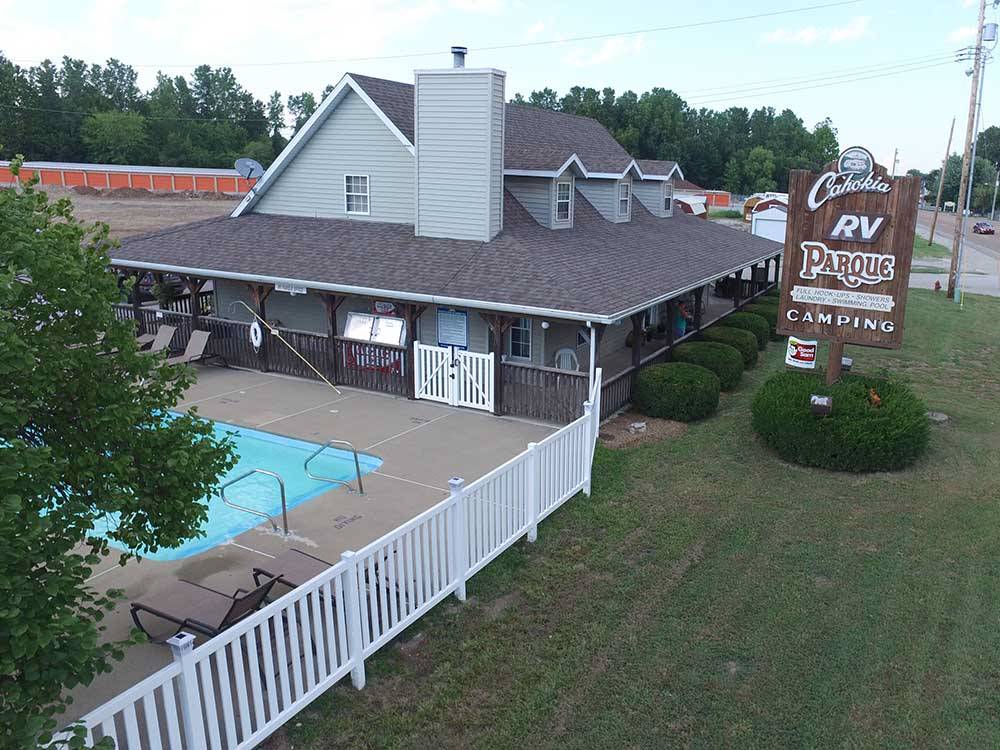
(769, 223)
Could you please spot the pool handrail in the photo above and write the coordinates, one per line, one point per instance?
(241, 477)
(320, 478)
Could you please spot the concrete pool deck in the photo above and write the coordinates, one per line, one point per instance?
(421, 443)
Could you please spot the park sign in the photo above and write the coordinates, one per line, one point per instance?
(848, 247)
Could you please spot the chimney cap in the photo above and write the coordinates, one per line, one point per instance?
(458, 50)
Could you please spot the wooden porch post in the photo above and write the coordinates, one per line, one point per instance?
(671, 308)
(136, 302)
(411, 314)
(258, 295)
(738, 288)
(332, 302)
(636, 340)
(194, 287)
(498, 328)
(699, 304)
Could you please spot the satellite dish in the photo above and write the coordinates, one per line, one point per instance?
(251, 169)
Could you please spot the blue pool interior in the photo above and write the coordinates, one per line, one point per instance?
(263, 450)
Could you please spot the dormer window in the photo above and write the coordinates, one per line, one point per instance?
(356, 194)
(564, 200)
(624, 198)
(668, 198)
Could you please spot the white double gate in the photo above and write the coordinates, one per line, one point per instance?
(454, 376)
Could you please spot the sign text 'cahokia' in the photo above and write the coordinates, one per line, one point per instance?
(855, 174)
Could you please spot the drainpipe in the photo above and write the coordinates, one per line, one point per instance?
(593, 357)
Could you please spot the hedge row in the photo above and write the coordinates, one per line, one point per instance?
(722, 359)
(748, 321)
(767, 308)
(677, 390)
(861, 433)
(743, 341)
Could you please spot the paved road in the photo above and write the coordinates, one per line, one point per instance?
(981, 272)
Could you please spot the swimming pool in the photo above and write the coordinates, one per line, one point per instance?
(262, 450)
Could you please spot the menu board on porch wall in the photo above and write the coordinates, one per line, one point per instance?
(848, 248)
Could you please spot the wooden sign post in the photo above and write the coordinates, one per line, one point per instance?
(848, 248)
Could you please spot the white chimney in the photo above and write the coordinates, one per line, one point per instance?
(458, 56)
(459, 123)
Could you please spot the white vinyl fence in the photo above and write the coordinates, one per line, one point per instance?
(239, 687)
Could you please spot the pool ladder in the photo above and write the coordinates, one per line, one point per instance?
(240, 478)
(334, 480)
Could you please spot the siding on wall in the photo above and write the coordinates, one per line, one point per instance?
(535, 194)
(496, 155)
(304, 312)
(650, 193)
(353, 140)
(459, 161)
(603, 196)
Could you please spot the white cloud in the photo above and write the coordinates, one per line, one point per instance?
(535, 29)
(610, 50)
(962, 34)
(482, 7)
(806, 36)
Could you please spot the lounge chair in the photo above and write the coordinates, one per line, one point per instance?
(292, 568)
(191, 606)
(160, 341)
(194, 351)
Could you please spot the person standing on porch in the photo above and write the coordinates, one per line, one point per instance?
(681, 317)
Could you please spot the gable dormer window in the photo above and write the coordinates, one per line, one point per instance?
(668, 198)
(356, 200)
(624, 198)
(564, 200)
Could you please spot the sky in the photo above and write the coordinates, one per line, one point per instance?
(882, 70)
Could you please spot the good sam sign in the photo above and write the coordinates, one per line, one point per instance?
(848, 248)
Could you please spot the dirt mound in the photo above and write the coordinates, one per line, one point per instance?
(128, 192)
(86, 190)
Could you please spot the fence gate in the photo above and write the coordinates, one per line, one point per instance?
(453, 376)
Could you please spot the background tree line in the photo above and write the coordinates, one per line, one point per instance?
(984, 177)
(735, 149)
(96, 113)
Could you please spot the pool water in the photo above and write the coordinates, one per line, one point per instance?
(262, 450)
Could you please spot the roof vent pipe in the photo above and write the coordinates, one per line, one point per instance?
(458, 56)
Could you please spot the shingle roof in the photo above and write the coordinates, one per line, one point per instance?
(597, 268)
(656, 167)
(534, 138)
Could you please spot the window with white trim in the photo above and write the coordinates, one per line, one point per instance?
(564, 200)
(520, 338)
(668, 197)
(356, 194)
(624, 198)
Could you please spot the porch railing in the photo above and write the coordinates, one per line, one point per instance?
(542, 392)
(373, 366)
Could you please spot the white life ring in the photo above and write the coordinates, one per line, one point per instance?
(256, 335)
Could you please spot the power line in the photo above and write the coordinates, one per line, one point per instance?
(835, 83)
(823, 78)
(765, 83)
(520, 45)
(147, 117)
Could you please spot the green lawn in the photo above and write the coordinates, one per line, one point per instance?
(923, 250)
(709, 595)
(725, 213)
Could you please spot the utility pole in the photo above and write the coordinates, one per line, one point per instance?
(993, 210)
(895, 161)
(944, 171)
(963, 185)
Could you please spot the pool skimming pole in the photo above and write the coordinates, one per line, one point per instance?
(277, 333)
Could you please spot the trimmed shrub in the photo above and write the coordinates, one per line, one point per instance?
(677, 390)
(775, 292)
(857, 435)
(722, 359)
(741, 340)
(757, 325)
(768, 313)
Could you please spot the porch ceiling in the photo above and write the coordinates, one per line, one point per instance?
(596, 271)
